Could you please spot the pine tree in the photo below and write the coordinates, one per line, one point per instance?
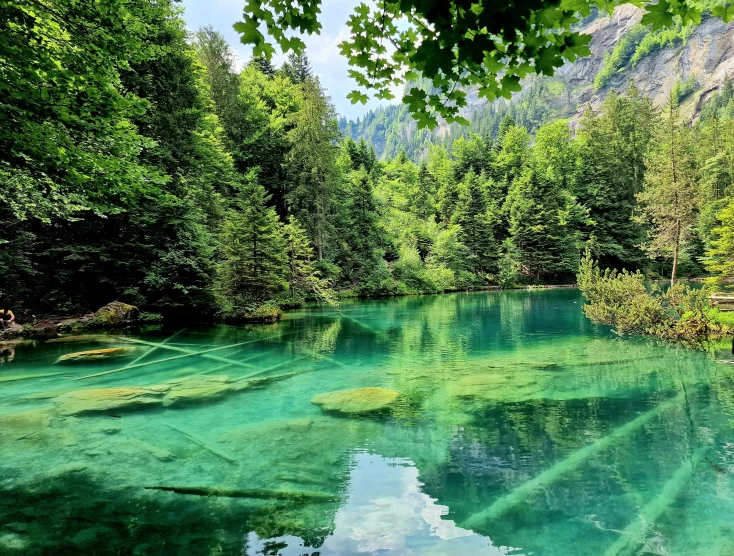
(611, 147)
(302, 277)
(253, 258)
(670, 198)
(720, 257)
(476, 228)
(423, 202)
(215, 54)
(311, 165)
(539, 238)
(263, 65)
(297, 68)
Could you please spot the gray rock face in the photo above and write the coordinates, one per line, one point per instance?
(707, 56)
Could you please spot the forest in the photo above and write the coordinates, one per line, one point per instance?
(137, 163)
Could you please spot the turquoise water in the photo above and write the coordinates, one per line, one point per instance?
(520, 429)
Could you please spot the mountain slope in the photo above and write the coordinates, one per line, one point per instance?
(690, 63)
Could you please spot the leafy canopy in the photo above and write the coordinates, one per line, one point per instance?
(454, 44)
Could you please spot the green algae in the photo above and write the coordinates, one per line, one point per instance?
(359, 401)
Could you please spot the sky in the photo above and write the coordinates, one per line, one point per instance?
(322, 50)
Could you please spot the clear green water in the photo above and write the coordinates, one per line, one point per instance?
(521, 429)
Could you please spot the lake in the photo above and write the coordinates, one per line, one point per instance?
(512, 426)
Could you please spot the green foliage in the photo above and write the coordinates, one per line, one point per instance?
(297, 68)
(675, 35)
(66, 140)
(720, 257)
(303, 278)
(683, 89)
(253, 261)
(611, 148)
(621, 56)
(622, 300)
(454, 46)
(670, 199)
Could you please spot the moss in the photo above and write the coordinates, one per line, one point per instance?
(357, 402)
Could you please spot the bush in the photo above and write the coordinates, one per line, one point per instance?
(376, 279)
(620, 56)
(657, 40)
(622, 300)
(684, 89)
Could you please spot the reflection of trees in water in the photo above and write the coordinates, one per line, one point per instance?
(512, 443)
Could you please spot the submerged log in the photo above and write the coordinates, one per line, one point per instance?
(186, 353)
(200, 442)
(260, 493)
(634, 534)
(26, 377)
(549, 476)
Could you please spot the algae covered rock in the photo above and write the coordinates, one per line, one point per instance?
(96, 355)
(116, 314)
(357, 402)
(107, 399)
(26, 423)
(197, 389)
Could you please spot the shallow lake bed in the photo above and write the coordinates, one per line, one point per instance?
(506, 424)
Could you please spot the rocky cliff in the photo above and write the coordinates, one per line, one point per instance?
(691, 63)
(703, 59)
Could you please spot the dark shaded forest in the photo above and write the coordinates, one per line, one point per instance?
(137, 163)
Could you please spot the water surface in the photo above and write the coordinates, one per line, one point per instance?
(521, 429)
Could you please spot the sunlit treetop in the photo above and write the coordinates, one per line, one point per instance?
(452, 44)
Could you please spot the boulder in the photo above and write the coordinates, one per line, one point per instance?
(11, 331)
(357, 402)
(107, 399)
(24, 424)
(196, 389)
(116, 314)
(95, 355)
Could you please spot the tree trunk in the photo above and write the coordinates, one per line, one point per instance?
(675, 253)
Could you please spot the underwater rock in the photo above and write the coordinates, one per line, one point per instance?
(24, 424)
(106, 399)
(109, 429)
(515, 386)
(358, 401)
(87, 538)
(95, 355)
(66, 469)
(196, 389)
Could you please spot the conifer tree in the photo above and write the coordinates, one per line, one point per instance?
(611, 147)
(539, 238)
(423, 202)
(311, 165)
(297, 68)
(253, 259)
(670, 198)
(301, 274)
(476, 228)
(263, 65)
(720, 257)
